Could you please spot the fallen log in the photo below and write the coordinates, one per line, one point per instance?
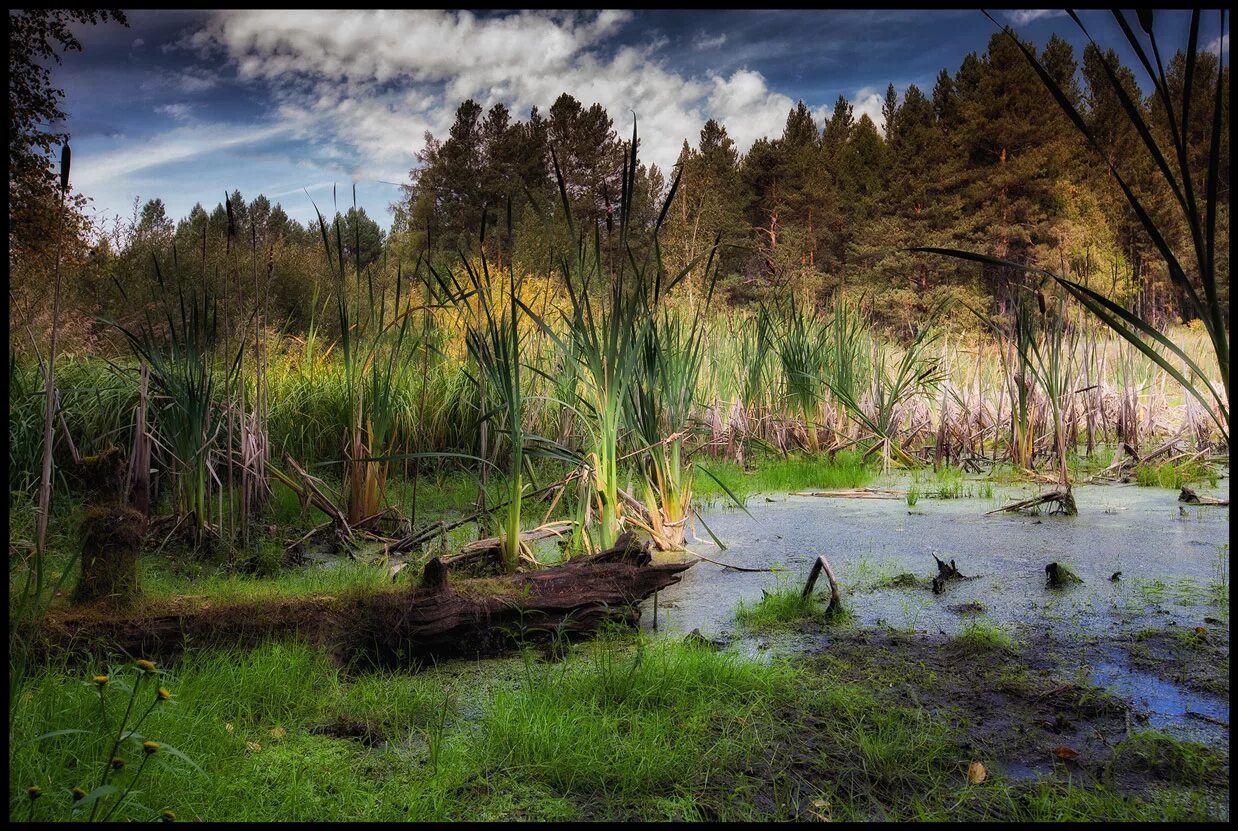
(489, 548)
(392, 627)
(1190, 497)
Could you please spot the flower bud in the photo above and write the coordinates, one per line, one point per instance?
(150, 747)
(145, 665)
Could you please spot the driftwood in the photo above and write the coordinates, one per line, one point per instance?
(1190, 497)
(820, 565)
(397, 626)
(855, 493)
(490, 547)
(1063, 500)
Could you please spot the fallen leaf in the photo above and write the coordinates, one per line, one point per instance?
(821, 810)
(976, 773)
(228, 726)
(278, 732)
(1064, 752)
(253, 747)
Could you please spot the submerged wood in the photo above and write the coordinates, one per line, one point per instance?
(1064, 500)
(1190, 497)
(400, 626)
(856, 493)
(822, 564)
(946, 572)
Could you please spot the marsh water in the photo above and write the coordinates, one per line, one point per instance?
(1146, 562)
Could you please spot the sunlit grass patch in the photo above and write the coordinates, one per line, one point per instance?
(776, 475)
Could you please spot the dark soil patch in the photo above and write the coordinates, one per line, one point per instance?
(348, 727)
(1022, 713)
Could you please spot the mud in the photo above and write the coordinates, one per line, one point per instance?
(1028, 714)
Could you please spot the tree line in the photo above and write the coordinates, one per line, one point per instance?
(984, 161)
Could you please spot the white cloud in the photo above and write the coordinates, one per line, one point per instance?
(703, 42)
(1219, 45)
(868, 101)
(138, 42)
(1022, 17)
(179, 112)
(375, 81)
(747, 107)
(177, 145)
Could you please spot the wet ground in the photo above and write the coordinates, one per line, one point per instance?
(1148, 622)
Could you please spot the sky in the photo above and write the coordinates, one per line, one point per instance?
(185, 105)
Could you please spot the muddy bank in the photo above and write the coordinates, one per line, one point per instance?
(1026, 714)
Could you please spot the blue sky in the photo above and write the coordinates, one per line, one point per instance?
(186, 105)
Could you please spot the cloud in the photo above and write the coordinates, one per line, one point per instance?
(137, 43)
(747, 107)
(1022, 17)
(179, 112)
(1219, 45)
(180, 144)
(196, 79)
(375, 81)
(703, 42)
(868, 101)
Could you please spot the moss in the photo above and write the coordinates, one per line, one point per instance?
(111, 538)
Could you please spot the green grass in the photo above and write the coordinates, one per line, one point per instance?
(1175, 475)
(981, 633)
(782, 607)
(614, 723)
(771, 474)
(1183, 762)
(623, 728)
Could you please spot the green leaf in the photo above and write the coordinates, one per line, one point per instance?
(94, 796)
(66, 732)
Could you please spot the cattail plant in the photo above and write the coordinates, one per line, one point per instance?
(375, 342)
(802, 350)
(183, 377)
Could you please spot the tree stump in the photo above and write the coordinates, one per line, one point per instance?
(1059, 576)
(111, 537)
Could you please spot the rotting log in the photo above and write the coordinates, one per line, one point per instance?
(398, 626)
(490, 548)
(819, 566)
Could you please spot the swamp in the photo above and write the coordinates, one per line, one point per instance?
(828, 473)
